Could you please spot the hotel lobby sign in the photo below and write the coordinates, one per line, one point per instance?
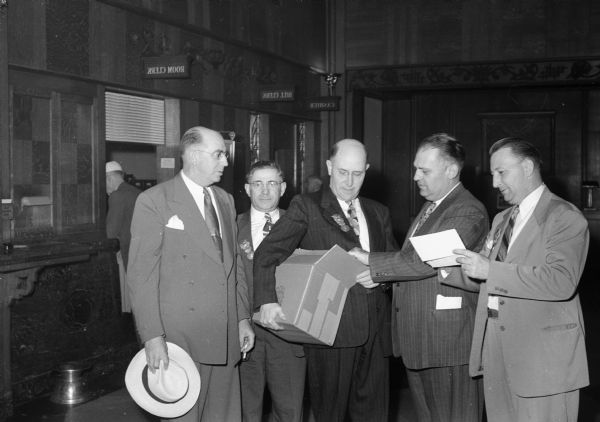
(323, 104)
(277, 94)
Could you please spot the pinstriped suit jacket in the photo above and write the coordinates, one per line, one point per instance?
(245, 234)
(423, 336)
(309, 223)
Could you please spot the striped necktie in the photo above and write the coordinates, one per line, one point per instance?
(353, 217)
(425, 216)
(268, 224)
(503, 249)
(210, 216)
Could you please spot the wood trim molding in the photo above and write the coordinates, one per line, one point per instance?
(573, 71)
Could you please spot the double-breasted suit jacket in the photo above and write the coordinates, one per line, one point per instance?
(542, 339)
(316, 221)
(424, 336)
(178, 285)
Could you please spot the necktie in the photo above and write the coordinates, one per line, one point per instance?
(353, 217)
(268, 224)
(503, 249)
(210, 216)
(425, 216)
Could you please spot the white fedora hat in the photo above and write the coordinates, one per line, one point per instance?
(167, 394)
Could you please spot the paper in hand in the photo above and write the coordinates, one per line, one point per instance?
(436, 248)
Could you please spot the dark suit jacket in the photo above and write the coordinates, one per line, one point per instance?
(309, 224)
(245, 235)
(423, 336)
(118, 217)
(543, 342)
(178, 284)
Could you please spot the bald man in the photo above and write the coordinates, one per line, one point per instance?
(350, 380)
(186, 278)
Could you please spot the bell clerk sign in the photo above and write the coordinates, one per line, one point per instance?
(166, 67)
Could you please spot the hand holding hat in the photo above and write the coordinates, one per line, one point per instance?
(169, 392)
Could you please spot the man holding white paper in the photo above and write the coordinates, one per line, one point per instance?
(432, 324)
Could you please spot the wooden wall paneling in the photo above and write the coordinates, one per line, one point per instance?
(396, 188)
(27, 33)
(67, 36)
(169, 152)
(108, 44)
(593, 144)
(5, 165)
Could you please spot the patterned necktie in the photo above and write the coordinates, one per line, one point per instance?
(503, 249)
(353, 217)
(268, 224)
(425, 216)
(210, 216)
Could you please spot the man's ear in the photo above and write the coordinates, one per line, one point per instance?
(452, 171)
(282, 189)
(329, 166)
(247, 189)
(528, 167)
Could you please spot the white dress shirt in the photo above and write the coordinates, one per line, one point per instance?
(197, 192)
(526, 208)
(362, 222)
(257, 222)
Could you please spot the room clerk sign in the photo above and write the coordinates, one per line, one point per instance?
(166, 67)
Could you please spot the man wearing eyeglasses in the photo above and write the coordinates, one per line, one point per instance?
(186, 279)
(350, 380)
(274, 363)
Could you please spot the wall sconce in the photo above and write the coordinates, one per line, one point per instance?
(589, 186)
(254, 138)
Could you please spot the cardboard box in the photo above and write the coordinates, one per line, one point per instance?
(311, 288)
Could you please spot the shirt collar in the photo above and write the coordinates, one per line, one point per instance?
(439, 201)
(194, 187)
(530, 201)
(256, 215)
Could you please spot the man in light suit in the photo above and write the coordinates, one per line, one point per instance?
(432, 324)
(350, 380)
(186, 279)
(273, 362)
(529, 336)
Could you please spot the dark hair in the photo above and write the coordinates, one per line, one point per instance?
(448, 146)
(520, 148)
(264, 164)
(335, 148)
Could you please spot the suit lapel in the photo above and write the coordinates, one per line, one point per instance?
(376, 241)
(531, 228)
(333, 214)
(182, 203)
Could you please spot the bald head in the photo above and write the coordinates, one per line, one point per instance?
(347, 166)
(204, 155)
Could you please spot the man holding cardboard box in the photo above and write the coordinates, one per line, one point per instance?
(351, 378)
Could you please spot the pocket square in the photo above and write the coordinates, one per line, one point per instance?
(175, 223)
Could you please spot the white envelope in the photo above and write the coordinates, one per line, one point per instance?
(175, 223)
(436, 248)
(448, 302)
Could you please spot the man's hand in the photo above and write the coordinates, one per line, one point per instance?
(246, 336)
(268, 313)
(361, 255)
(365, 280)
(473, 264)
(156, 350)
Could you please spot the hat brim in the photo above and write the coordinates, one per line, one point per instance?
(137, 390)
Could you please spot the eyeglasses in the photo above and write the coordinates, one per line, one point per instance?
(258, 184)
(218, 154)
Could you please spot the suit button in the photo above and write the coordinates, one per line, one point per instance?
(192, 309)
(502, 328)
(184, 256)
(397, 309)
(191, 282)
(501, 302)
